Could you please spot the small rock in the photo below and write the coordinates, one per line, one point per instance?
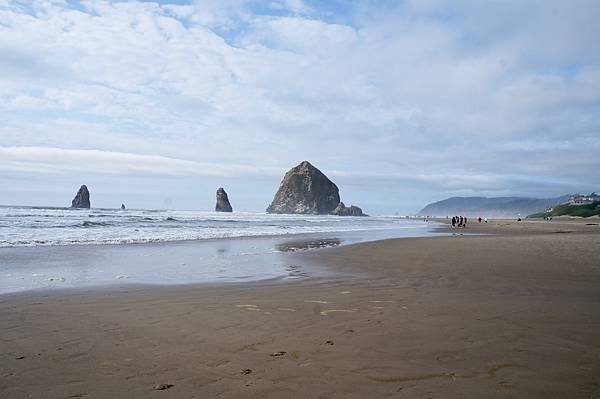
(162, 387)
(246, 371)
(21, 358)
(280, 353)
(329, 342)
(343, 210)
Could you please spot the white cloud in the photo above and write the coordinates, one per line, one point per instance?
(47, 160)
(464, 89)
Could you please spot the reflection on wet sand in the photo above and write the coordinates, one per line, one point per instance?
(293, 246)
(296, 271)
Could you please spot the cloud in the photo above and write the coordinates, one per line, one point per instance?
(47, 160)
(412, 88)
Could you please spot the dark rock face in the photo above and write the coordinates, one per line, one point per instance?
(122, 207)
(343, 210)
(82, 199)
(305, 190)
(223, 204)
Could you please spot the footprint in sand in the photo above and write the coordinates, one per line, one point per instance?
(248, 307)
(327, 312)
(492, 371)
(218, 363)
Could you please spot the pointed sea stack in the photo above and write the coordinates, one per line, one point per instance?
(82, 199)
(122, 207)
(305, 190)
(343, 210)
(223, 204)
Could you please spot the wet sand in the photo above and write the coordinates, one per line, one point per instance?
(512, 314)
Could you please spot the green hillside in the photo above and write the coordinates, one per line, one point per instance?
(571, 210)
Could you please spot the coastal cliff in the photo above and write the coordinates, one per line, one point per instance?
(500, 207)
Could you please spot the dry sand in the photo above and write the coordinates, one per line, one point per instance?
(511, 315)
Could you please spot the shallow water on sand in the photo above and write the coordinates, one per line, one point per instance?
(179, 262)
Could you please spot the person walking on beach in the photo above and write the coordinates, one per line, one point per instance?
(460, 222)
(453, 221)
(465, 222)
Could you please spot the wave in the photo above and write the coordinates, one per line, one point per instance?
(64, 227)
(87, 223)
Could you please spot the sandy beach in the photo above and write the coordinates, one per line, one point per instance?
(511, 313)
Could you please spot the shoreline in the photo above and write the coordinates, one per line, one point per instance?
(172, 263)
(511, 314)
(208, 239)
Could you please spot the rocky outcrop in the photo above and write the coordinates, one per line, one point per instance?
(343, 210)
(122, 207)
(305, 190)
(82, 199)
(223, 204)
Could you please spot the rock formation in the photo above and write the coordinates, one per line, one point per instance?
(305, 190)
(82, 199)
(223, 204)
(343, 210)
(122, 207)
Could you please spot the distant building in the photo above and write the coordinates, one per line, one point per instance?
(582, 199)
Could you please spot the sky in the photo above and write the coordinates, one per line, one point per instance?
(400, 103)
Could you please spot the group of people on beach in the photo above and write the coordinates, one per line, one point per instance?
(459, 221)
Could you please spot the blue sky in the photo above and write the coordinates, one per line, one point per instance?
(157, 104)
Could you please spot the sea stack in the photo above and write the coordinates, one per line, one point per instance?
(122, 207)
(223, 204)
(305, 190)
(343, 210)
(82, 199)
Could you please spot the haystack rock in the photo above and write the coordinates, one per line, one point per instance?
(122, 207)
(223, 204)
(82, 199)
(343, 210)
(305, 190)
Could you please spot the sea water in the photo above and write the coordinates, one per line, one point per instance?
(29, 226)
(53, 248)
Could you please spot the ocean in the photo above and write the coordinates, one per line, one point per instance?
(55, 248)
(32, 226)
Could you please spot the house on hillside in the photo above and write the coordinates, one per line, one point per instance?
(581, 199)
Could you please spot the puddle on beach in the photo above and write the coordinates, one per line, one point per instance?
(293, 246)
